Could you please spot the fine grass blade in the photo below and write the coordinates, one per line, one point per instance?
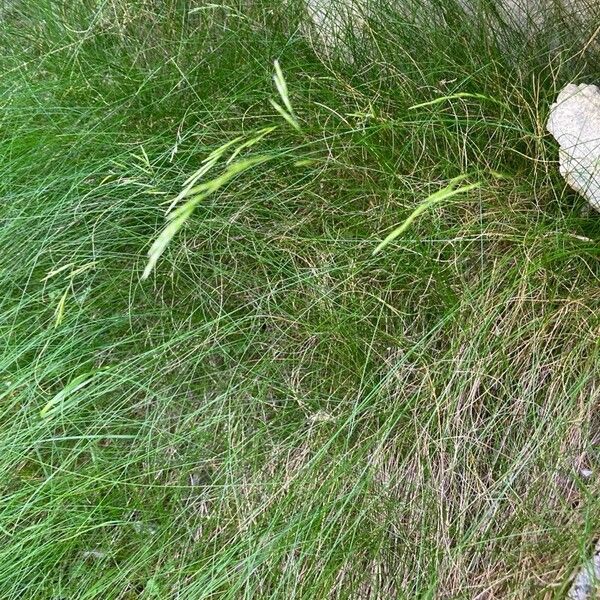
(57, 403)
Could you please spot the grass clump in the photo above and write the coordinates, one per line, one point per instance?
(275, 411)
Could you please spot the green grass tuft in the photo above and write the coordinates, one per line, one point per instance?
(276, 412)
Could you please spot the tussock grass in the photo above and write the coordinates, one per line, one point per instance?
(275, 412)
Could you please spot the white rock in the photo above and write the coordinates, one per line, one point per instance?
(575, 123)
(585, 583)
(333, 19)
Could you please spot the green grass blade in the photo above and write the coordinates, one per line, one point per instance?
(437, 198)
(56, 404)
(457, 96)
